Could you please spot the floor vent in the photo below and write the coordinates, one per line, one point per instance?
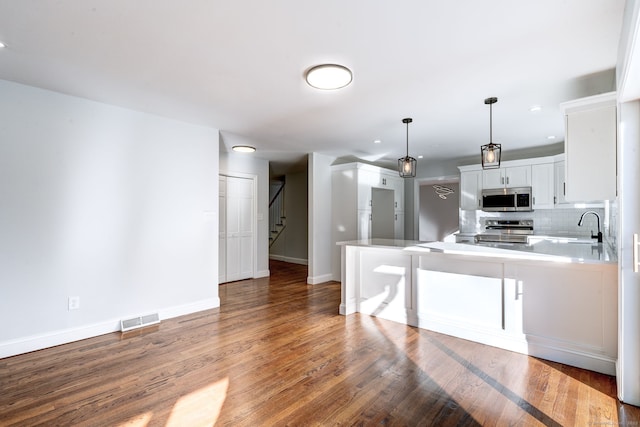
(139, 322)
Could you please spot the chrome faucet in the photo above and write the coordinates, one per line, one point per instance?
(596, 236)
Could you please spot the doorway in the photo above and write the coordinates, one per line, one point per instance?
(236, 228)
(382, 213)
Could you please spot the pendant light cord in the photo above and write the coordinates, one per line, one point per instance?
(490, 123)
(407, 121)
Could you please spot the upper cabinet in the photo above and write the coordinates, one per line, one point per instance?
(590, 148)
(542, 185)
(538, 173)
(507, 177)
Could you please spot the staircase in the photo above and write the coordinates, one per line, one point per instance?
(277, 219)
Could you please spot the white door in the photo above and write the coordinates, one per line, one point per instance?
(238, 238)
(222, 229)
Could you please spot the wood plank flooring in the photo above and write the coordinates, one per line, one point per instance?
(277, 353)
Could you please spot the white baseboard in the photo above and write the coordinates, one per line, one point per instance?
(262, 273)
(39, 342)
(314, 280)
(289, 259)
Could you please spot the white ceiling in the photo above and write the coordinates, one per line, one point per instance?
(238, 66)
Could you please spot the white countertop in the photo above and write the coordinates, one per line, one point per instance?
(381, 243)
(579, 251)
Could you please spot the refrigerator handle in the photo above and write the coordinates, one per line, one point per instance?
(635, 252)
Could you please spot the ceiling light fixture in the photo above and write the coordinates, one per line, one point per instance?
(491, 152)
(535, 108)
(377, 141)
(406, 164)
(551, 137)
(328, 76)
(243, 148)
(2, 45)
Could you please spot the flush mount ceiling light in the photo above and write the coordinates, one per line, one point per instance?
(406, 164)
(243, 148)
(2, 45)
(491, 152)
(328, 76)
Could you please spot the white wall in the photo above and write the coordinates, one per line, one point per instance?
(320, 244)
(438, 216)
(115, 206)
(247, 163)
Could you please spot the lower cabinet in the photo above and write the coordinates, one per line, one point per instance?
(387, 276)
(574, 308)
(460, 294)
(561, 312)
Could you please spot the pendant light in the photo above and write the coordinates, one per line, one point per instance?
(491, 152)
(406, 164)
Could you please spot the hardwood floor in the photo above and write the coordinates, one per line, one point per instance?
(277, 353)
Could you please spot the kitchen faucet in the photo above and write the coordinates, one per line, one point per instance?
(597, 236)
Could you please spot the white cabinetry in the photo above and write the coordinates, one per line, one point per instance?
(559, 183)
(590, 148)
(570, 307)
(565, 312)
(515, 176)
(353, 201)
(470, 187)
(542, 185)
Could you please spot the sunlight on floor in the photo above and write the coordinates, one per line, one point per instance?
(141, 420)
(200, 408)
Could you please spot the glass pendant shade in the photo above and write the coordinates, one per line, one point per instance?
(407, 165)
(491, 152)
(491, 155)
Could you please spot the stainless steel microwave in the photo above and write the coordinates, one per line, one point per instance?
(517, 199)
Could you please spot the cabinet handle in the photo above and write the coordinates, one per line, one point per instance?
(635, 253)
(534, 200)
(507, 180)
(396, 204)
(370, 202)
(518, 289)
(554, 200)
(396, 216)
(564, 188)
(502, 180)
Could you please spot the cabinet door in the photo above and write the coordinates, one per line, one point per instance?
(364, 225)
(493, 178)
(575, 306)
(399, 225)
(366, 180)
(542, 183)
(470, 186)
(559, 182)
(590, 146)
(518, 176)
(398, 188)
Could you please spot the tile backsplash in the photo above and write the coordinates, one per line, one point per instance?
(559, 221)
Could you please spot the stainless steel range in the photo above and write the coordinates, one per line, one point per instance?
(505, 231)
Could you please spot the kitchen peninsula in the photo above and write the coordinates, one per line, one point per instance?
(555, 299)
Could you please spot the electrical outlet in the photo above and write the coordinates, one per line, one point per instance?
(74, 303)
